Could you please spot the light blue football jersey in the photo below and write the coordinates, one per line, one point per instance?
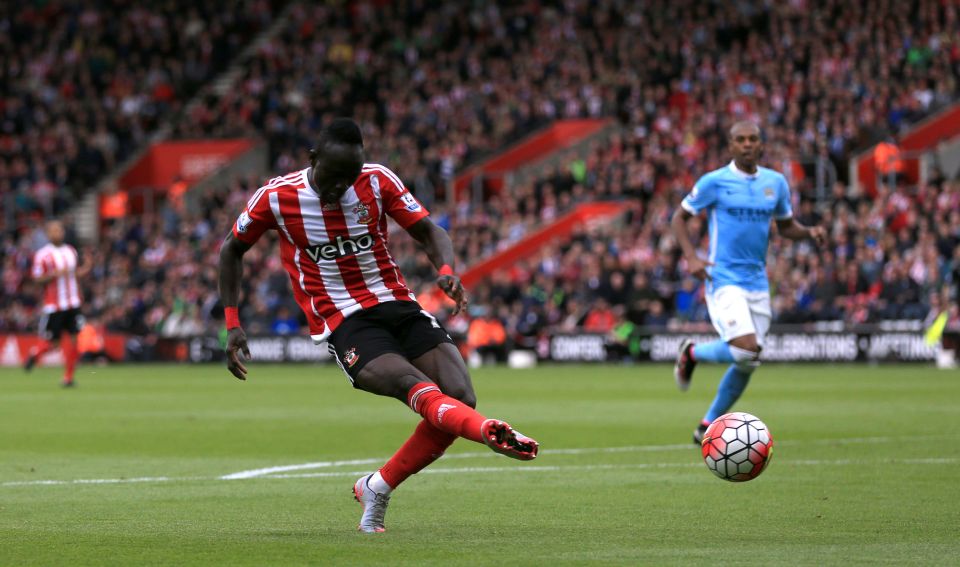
(739, 209)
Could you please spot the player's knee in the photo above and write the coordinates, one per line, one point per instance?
(746, 342)
(456, 384)
(456, 381)
(469, 399)
(746, 360)
(463, 394)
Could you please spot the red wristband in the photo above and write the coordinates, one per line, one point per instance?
(445, 270)
(232, 317)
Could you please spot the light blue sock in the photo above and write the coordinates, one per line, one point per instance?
(733, 384)
(717, 351)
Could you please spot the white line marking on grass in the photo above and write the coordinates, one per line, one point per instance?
(565, 468)
(519, 469)
(104, 480)
(254, 473)
(268, 472)
(468, 470)
(305, 466)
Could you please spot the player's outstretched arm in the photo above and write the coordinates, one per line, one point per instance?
(231, 270)
(86, 266)
(436, 242)
(678, 225)
(790, 228)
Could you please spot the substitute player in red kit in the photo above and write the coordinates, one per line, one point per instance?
(332, 222)
(55, 265)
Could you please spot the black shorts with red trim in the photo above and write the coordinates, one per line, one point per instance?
(53, 324)
(400, 327)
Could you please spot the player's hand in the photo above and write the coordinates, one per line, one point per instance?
(237, 346)
(698, 267)
(818, 234)
(453, 287)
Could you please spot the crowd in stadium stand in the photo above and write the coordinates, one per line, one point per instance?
(890, 256)
(895, 256)
(84, 85)
(438, 88)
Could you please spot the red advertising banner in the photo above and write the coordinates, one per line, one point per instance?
(15, 348)
(190, 161)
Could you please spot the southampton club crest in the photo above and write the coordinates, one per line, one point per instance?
(363, 213)
(351, 357)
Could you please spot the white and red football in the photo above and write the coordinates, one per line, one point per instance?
(737, 447)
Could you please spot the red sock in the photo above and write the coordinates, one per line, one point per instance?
(426, 445)
(69, 359)
(445, 413)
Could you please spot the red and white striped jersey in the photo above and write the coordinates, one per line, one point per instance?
(336, 253)
(62, 292)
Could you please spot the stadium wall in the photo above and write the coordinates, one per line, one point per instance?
(189, 160)
(921, 138)
(559, 135)
(582, 215)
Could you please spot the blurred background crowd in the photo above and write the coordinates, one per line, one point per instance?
(84, 85)
(438, 88)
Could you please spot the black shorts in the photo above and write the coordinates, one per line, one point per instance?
(52, 325)
(400, 327)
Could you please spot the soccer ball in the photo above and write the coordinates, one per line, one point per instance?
(737, 447)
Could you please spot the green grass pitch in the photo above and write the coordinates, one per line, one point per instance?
(864, 471)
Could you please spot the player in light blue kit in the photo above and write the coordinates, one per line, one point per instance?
(740, 200)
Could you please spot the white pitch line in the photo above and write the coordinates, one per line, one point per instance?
(519, 469)
(268, 471)
(468, 470)
(557, 468)
(305, 466)
(105, 480)
(254, 473)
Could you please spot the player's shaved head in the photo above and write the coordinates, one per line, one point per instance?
(338, 158)
(55, 232)
(743, 127)
(341, 131)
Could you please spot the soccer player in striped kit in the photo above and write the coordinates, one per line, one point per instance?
(331, 219)
(55, 266)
